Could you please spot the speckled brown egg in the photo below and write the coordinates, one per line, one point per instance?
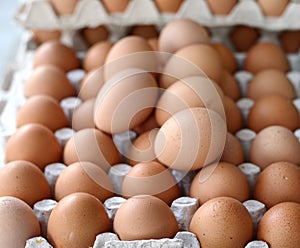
(280, 225)
(274, 144)
(83, 177)
(273, 110)
(273, 8)
(243, 37)
(18, 222)
(41, 36)
(233, 151)
(151, 178)
(35, 143)
(95, 34)
(48, 80)
(140, 217)
(91, 145)
(76, 220)
(277, 183)
(222, 7)
(290, 41)
(222, 222)
(44, 110)
(230, 86)
(55, 53)
(83, 116)
(170, 6)
(115, 6)
(24, 180)
(227, 57)
(234, 118)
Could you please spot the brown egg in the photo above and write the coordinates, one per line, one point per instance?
(290, 41)
(91, 84)
(266, 55)
(18, 222)
(76, 220)
(280, 225)
(83, 116)
(170, 6)
(153, 42)
(273, 8)
(125, 102)
(227, 57)
(35, 143)
(96, 55)
(197, 91)
(140, 217)
(230, 86)
(181, 33)
(142, 149)
(66, 7)
(234, 118)
(91, 145)
(41, 36)
(48, 80)
(274, 144)
(191, 139)
(244, 37)
(95, 35)
(83, 177)
(193, 60)
(149, 124)
(270, 82)
(145, 31)
(44, 110)
(222, 7)
(24, 180)
(221, 179)
(222, 222)
(273, 110)
(233, 151)
(277, 183)
(55, 53)
(151, 178)
(115, 6)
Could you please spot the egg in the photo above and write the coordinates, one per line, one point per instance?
(222, 7)
(222, 222)
(270, 82)
(48, 80)
(140, 217)
(91, 145)
(220, 179)
(65, 7)
(145, 31)
(233, 151)
(273, 110)
(34, 143)
(149, 124)
(82, 117)
(230, 86)
(192, 60)
(93, 35)
(274, 8)
(24, 180)
(44, 110)
(76, 220)
(266, 55)
(170, 6)
(227, 57)
(190, 139)
(151, 178)
(274, 144)
(180, 33)
(115, 6)
(126, 101)
(84, 177)
(96, 55)
(243, 37)
(286, 218)
(55, 53)
(234, 118)
(290, 41)
(41, 36)
(153, 42)
(18, 222)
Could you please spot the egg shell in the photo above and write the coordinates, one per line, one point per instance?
(34, 143)
(153, 42)
(243, 37)
(290, 41)
(278, 183)
(24, 180)
(234, 118)
(222, 7)
(233, 151)
(274, 144)
(273, 8)
(151, 178)
(91, 145)
(18, 222)
(140, 217)
(230, 86)
(93, 35)
(273, 110)
(222, 222)
(227, 57)
(115, 6)
(170, 6)
(76, 220)
(145, 31)
(41, 36)
(66, 7)
(221, 179)
(149, 124)
(83, 116)
(280, 225)
(48, 80)
(84, 177)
